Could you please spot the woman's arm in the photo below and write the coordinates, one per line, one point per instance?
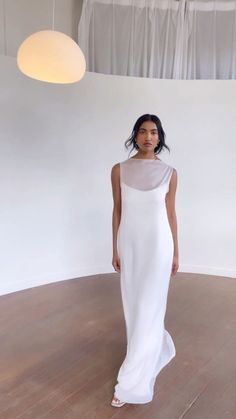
(170, 206)
(116, 215)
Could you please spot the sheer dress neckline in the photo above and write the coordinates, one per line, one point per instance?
(131, 158)
(144, 176)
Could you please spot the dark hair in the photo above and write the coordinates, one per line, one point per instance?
(138, 123)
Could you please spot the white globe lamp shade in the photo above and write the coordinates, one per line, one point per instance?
(51, 56)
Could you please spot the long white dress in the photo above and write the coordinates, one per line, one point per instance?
(145, 247)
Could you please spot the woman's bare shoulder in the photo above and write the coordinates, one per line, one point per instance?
(116, 166)
(115, 172)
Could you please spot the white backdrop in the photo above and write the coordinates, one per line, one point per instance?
(57, 147)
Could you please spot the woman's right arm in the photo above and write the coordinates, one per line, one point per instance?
(116, 215)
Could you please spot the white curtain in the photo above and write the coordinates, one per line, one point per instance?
(185, 39)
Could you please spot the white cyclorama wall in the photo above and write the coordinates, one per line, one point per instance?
(58, 145)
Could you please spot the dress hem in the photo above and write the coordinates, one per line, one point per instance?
(127, 397)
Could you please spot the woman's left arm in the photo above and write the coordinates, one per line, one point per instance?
(170, 207)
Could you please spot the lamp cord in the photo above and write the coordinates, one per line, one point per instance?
(53, 14)
(4, 26)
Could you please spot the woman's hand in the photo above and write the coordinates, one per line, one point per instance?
(175, 265)
(116, 262)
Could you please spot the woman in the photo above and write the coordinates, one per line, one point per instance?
(145, 252)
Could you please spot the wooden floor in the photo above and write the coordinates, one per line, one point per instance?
(61, 346)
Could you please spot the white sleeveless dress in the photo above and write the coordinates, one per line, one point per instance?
(145, 247)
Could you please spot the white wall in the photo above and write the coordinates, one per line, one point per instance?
(23, 17)
(57, 146)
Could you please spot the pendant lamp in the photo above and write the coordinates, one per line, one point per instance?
(51, 56)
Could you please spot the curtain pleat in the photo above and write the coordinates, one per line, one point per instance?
(185, 39)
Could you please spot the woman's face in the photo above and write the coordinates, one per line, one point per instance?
(147, 136)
